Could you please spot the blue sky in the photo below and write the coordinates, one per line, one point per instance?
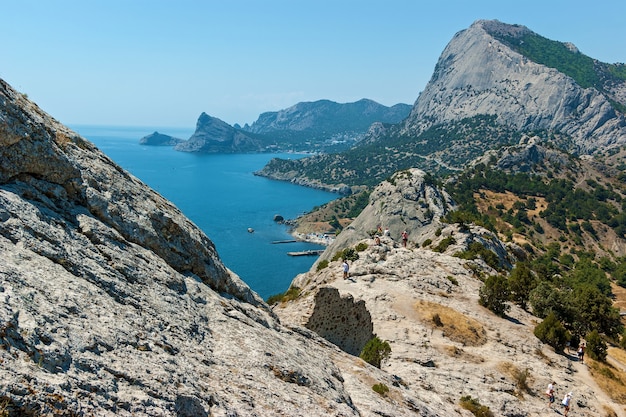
(162, 63)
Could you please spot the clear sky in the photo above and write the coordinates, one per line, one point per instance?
(162, 63)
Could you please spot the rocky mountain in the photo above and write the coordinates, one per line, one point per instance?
(159, 139)
(320, 126)
(213, 135)
(325, 117)
(494, 85)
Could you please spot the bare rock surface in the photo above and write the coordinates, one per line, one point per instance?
(473, 353)
(477, 74)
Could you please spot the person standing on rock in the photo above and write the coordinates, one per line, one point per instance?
(405, 237)
(346, 269)
(566, 401)
(550, 393)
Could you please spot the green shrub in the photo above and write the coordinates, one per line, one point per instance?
(322, 264)
(494, 294)
(381, 389)
(443, 245)
(348, 254)
(291, 294)
(361, 247)
(552, 332)
(427, 242)
(475, 407)
(375, 351)
(452, 280)
(596, 346)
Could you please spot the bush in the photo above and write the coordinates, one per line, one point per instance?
(475, 407)
(443, 245)
(381, 389)
(361, 247)
(323, 264)
(348, 254)
(437, 320)
(291, 294)
(596, 347)
(427, 242)
(494, 294)
(552, 332)
(375, 351)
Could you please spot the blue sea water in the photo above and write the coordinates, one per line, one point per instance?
(220, 194)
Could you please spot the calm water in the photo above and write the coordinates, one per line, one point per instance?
(220, 194)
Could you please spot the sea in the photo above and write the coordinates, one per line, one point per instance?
(223, 197)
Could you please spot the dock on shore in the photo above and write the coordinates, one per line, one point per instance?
(307, 253)
(284, 241)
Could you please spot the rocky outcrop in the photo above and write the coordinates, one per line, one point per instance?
(407, 201)
(423, 300)
(159, 139)
(477, 74)
(212, 135)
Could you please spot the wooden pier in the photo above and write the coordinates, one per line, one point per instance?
(307, 253)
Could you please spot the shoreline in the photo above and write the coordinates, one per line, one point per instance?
(317, 238)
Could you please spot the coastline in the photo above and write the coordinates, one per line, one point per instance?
(323, 239)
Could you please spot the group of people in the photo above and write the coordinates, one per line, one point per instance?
(404, 235)
(566, 400)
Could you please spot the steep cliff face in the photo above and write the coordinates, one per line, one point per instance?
(213, 135)
(477, 74)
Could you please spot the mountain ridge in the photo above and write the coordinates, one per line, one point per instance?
(481, 91)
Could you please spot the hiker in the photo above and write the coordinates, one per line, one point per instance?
(566, 402)
(550, 393)
(346, 269)
(581, 353)
(377, 240)
(405, 236)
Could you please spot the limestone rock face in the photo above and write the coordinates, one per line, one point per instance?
(213, 135)
(409, 202)
(478, 75)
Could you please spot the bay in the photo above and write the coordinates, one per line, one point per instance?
(220, 194)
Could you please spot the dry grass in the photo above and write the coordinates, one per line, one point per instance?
(610, 379)
(457, 352)
(521, 378)
(618, 354)
(454, 325)
(609, 411)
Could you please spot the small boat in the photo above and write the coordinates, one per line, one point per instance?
(250, 230)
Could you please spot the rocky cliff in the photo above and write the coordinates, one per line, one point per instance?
(489, 89)
(478, 74)
(213, 135)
